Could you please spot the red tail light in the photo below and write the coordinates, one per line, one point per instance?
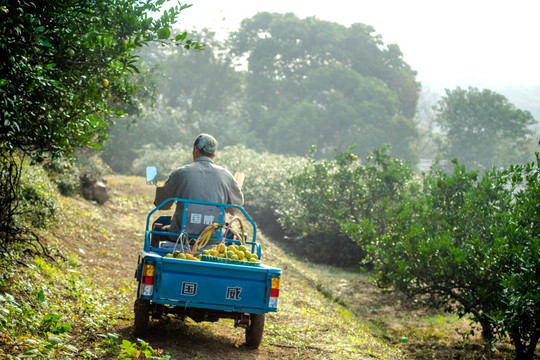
(147, 280)
(274, 292)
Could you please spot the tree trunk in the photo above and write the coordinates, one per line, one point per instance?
(524, 351)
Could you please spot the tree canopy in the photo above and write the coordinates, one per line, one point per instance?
(482, 128)
(63, 68)
(316, 82)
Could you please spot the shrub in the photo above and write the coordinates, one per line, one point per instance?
(329, 193)
(45, 305)
(265, 186)
(66, 174)
(472, 245)
(37, 197)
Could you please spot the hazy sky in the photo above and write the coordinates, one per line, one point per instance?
(463, 43)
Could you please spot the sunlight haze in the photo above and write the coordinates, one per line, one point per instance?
(460, 43)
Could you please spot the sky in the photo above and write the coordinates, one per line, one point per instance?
(477, 43)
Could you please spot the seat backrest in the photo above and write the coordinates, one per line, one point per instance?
(198, 216)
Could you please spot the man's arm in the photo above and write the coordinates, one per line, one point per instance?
(235, 197)
(163, 193)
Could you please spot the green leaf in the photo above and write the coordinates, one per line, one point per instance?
(164, 33)
(181, 37)
(44, 42)
(63, 328)
(40, 297)
(39, 29)
(54, 340)
(72, 348)
(30, 353)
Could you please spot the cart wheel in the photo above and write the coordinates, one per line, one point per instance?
(142, 316)
(254, 331)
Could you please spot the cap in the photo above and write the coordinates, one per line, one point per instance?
(206, 143)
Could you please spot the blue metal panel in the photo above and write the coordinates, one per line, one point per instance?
(213, 285)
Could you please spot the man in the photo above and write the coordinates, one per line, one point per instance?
(201, 180)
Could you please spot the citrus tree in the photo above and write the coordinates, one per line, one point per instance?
(469, 245)
(346, 189)
(64, 69)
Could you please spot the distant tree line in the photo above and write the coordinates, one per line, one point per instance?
(283, 84)
(280, 84)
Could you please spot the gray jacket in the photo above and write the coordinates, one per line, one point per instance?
(201, 180)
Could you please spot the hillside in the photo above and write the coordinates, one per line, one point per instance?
(324, 313)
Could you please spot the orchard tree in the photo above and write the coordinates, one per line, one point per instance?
(483, 129)
(64, 69)
(313, 82)
(327, 193)
(469, 245)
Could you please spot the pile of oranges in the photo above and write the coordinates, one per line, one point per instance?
(232, 252)
(235, 253)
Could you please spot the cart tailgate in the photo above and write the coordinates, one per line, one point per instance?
(219, 286)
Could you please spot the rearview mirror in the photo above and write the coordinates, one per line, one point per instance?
(151, 175)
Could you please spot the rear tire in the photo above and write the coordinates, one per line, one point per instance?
(142, 316)
(254, 331)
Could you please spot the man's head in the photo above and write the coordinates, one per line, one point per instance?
(206, 145)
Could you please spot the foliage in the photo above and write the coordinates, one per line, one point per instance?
(10, 175)
(134, 351)
(66, 174)
(25, 207)
(470, 244)
(518, 310)
(483, 129)
(328, 193)
(198, 91)
(165, 159)
(45, 307)
(37, 197)
(265, 185)
(313, 82)
(64, 69)
(362, 94)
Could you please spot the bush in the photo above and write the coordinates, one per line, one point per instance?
(266, 188)
(472, 246)
(166, 160)
(45, 305)
(329, 193)
(517, 313)
(66, 173)
(37, 197)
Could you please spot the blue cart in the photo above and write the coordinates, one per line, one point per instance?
(204, 286)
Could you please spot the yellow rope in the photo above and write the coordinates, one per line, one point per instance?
(205, 235)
